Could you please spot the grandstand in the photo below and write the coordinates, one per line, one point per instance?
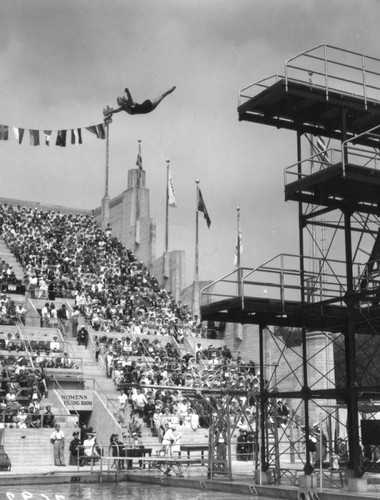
(82, 318)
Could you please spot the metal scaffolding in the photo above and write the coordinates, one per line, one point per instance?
(325, 304)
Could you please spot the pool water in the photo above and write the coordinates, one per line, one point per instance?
(120, 491)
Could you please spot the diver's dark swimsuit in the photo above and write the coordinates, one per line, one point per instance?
(140, 109)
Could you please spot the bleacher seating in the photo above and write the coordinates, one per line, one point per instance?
(119, 300)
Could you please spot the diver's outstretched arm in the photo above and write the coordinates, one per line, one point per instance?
(108, 112)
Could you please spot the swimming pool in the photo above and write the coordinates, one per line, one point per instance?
(118, 491)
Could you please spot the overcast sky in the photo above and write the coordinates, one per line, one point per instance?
(62, 62)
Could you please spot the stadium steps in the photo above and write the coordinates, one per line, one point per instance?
(104, 386)
(7, 255)
(32, 446)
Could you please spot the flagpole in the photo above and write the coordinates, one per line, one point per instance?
(165, 275)
(137, 223)
(239, 326)
(238, 257)
(105, 201)
(196, 272)
(140, 165)
(167, 208)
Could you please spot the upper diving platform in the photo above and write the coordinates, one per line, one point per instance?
(325, 91)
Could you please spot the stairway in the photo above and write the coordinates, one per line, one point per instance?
(32, 446)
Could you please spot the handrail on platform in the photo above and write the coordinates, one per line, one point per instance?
(357, 73)
(279, 278)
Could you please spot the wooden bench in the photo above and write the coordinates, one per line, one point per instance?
(130, 453)
(139, 453)
(166, 465)
(188, 448)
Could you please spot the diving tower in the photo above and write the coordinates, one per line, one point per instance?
(325, 91)
(330, 98)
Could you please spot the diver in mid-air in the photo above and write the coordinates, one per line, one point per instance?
(131, 107)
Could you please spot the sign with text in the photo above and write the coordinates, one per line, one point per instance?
(78, 400)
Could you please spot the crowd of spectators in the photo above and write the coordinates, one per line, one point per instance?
(7, 274)
(142, 364)
(9, 311)
(44, 353)
(22, 389)
(67, 255)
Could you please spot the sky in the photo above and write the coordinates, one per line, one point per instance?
(62, 62)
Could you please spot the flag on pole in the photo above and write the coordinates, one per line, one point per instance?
(139, 160)
(202, 208)
(238, 248)
(320, 148)
(171, 193)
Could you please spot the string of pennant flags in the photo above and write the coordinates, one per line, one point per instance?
(59, 137)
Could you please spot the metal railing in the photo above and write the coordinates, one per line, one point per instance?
(330, 68)
(347, 154)
(279, 278)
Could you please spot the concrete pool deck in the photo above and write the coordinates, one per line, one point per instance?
(194, 477)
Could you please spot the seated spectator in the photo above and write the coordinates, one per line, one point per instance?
(35, 404)
(15, 385)
(9, 342)
(66, 361)
(40, 359)
(34, 394)
(20, 312)
(91, 447)
(54, 344)
(134, 426)
(82, 336)
(48, 417)
(10, 398)
(33, 419)
(20, 418)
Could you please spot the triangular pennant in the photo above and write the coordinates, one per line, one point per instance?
(93, 130)
(61, 138)
(18, 133)
(34, 137)
(101, 131)
(76, 136)
(47, 134)
(4, 132)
